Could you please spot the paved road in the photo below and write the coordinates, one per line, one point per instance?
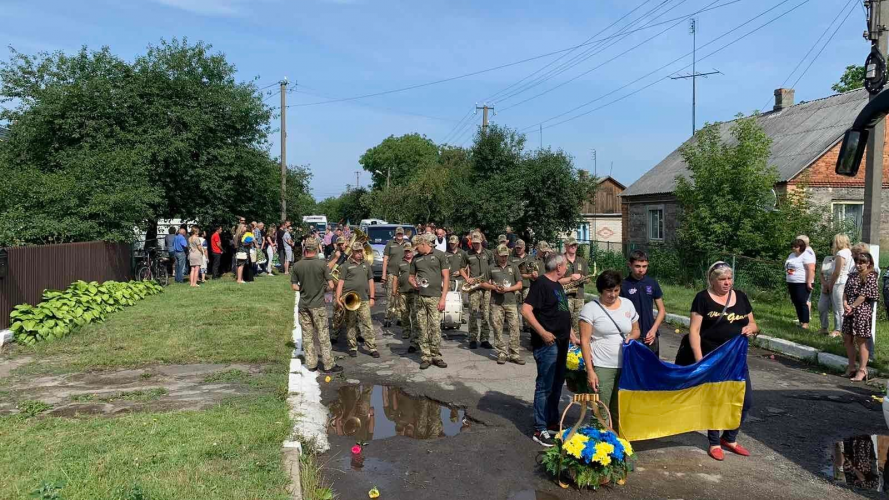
(797, 415)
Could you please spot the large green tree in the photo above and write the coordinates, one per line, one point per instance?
(299, 198)
(853, 78)
(98, 146)
(398, 157)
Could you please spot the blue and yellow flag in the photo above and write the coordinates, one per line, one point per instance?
(660, 399)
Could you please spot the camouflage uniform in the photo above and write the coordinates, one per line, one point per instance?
(503, 308)
(407, 303)
(395, 252)
(356, 277)
(360, 318)
(314, 326)
(479, 299)
(429, 324)
(577, 299)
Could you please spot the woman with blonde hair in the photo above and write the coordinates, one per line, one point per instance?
(859, 296)
(195, 256)
(834, 273)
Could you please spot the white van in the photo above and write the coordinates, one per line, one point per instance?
(371, 222)
(318, 222)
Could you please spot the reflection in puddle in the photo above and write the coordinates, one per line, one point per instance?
(860, 462)
(532, 495)
(378, 412)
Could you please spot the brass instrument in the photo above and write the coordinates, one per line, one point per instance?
(424, 283)
(350, 302)
(359, 236)
(466, 287)
(572, 286)
(529, 266)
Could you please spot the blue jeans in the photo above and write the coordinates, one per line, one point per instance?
(180, 266)
(732, 435)
(548, 386)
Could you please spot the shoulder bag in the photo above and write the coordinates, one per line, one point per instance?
(622, 334)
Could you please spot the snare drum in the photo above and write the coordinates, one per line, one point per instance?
(453, 314)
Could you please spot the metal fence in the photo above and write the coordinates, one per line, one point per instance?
(31, 270)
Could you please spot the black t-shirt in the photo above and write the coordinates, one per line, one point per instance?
(279, 239)
(550, 305)
(715, 333)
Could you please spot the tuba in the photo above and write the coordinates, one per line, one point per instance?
(572, 286)
(351, 302)
(359, 236)
(468, 288)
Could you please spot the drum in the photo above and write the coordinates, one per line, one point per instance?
(452, 316)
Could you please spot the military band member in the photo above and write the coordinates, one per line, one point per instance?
(456, 260)
(480, 298)
(504, 280)
(357, 276)
(543, 250)
(339, 254)
(577, 268)
(312, 279)
(392, 255)
(407, 300)
(520, 260)
(429, 276)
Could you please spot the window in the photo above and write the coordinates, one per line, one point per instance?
(656, 223)
(583, 231)
(852, 211)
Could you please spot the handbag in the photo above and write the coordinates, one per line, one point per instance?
(252, 255)
(685, 355)
(242, 255)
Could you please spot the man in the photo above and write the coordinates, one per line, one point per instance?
(644, 292)
(279, 239)
(504, 280)
(480, 298)
(543, 250)
(339, 254)
(357, 276)
(407, 300)
(456, 261)
(501, 240)
(392, 257)
(546, 310)
(168, 247)
(520, 259)
(180, 246)
(511, 238)
(578, 268)
(329, 238)
(441, 240)
(429, 276)
(216, 251)
(312, 279)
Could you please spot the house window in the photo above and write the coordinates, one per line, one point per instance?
(656, 223)
(583, 231)
(849, 210)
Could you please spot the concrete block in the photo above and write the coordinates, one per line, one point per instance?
(5, 337)
(793, 349)
(840, 363)
(761, 341)
(676, 318)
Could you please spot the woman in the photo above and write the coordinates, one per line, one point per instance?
(859, 297)
(605, 326)
(832, 287)
(800, 272)
(195, 256)
(206, 259)
(288, 250)
(719, 314)
(271, 248)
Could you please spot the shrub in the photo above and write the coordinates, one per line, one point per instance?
(61, 312)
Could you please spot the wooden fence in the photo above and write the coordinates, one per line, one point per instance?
(31, 270)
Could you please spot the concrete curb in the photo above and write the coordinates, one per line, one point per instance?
(781, 346)
(6, 337)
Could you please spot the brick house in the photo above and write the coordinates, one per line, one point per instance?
(806, 141)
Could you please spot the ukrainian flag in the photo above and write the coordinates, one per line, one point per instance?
(660, 399)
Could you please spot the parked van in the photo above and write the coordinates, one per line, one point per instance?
(318, 222)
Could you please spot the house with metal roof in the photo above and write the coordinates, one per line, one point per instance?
(805, 144)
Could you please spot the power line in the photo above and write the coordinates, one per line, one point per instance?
(272, 95)
(669, 64)
(372, 106)
(823, 47)
(458, 125)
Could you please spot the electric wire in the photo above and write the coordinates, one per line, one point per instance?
(458, 125)
(823, 47)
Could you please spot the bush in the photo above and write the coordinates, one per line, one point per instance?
(61, 312)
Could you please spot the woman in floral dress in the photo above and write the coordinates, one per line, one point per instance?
(859, 297)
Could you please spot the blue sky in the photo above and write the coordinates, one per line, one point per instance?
(344, 48)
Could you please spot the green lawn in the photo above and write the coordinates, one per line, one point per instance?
(221, 322)
(776, 318)
(229, 451)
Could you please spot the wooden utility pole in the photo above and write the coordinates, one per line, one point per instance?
(283, 150)
(484, 109)
(878, 15)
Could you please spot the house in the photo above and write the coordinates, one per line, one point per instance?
(601, 214)
(806, 141)
(4, 133)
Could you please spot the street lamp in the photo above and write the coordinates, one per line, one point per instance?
(388, 171)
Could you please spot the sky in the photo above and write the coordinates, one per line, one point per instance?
(336, 49)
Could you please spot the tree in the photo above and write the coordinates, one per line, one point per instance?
(722, 199)
(497, 180)
(853, 78)
(102, 146)
(398, 157)
(350, 206)
(299, 197)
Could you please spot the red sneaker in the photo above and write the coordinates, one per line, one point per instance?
(735, 448)
(716, 454)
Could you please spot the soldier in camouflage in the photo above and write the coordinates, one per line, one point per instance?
(407, 300)
(429, 276)
(479, 299)
(312, 279)
(504, 281)
(392, 256)
(357, 276)
(577, 268)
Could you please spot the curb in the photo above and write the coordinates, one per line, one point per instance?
(781, 346)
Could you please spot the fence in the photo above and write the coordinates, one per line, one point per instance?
(31, 270)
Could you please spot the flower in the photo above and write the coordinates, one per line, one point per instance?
(327, 379)
(604, 448)
(575, 360)
(575, 445)
(628, 449)
(356, 449)
(374, 492)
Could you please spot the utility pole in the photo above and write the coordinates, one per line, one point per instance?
(388, 176)
(878, 15)
(484, 109)
(284, 149)
(357, 182)
(692, 28)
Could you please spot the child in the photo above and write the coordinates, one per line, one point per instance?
(859, 297)
(644, 292)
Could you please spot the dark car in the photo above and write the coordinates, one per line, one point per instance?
(380, 234)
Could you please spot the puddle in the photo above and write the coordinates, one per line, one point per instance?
(532, 495)
(367, 412)
(860, 462)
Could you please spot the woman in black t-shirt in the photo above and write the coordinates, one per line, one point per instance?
(719, 314)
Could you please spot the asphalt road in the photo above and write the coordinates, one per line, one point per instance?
(798, 414)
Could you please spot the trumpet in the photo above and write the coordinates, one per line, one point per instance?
(503, 286)
(573, 285)
(477, 282)
(424, 283)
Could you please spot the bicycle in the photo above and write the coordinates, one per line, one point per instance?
(154, 269)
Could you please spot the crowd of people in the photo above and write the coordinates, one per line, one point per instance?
(510, 289)
(849, 295)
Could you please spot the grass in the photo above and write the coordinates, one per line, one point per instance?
(311, 479)
(231, 451)
(221, 322)
(147, 395)
(30, 408)
(776, 318)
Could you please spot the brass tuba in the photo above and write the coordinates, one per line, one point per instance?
(359, 236)
(351, 302)
(468, 288)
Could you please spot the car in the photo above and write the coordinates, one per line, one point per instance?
(380, 234)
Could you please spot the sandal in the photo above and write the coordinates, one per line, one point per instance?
(858, 377)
